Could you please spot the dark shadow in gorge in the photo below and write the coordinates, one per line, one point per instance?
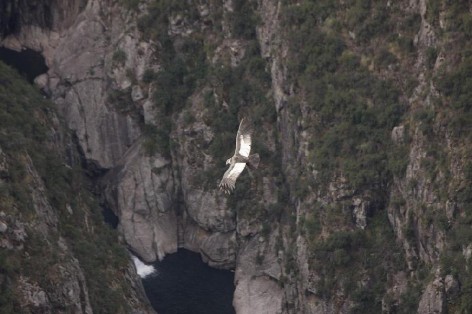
(27, 62)
(17, 13)
(109, 216)
(184, 284)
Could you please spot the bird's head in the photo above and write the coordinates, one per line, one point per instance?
(228, 161)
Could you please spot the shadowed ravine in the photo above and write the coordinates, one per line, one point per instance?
(27, 62)
(183, 284)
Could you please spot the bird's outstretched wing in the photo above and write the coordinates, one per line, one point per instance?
(243, 138)
(228, 182)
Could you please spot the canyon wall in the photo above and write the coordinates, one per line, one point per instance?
(362, 199)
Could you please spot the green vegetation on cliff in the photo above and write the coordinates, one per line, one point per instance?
(352, 111)
(378, 117)
(355, 69)
(186, 70)
(31, 158)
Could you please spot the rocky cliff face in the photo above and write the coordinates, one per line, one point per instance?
(57, 255)
(20, 236)
(362, 200)
(44, 14)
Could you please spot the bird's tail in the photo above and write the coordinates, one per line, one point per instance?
(253, 162)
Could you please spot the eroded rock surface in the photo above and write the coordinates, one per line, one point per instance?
(97, 62)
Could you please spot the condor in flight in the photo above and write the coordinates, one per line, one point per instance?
(240, 158)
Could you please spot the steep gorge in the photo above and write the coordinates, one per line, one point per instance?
(362, 202)
(56, 254)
